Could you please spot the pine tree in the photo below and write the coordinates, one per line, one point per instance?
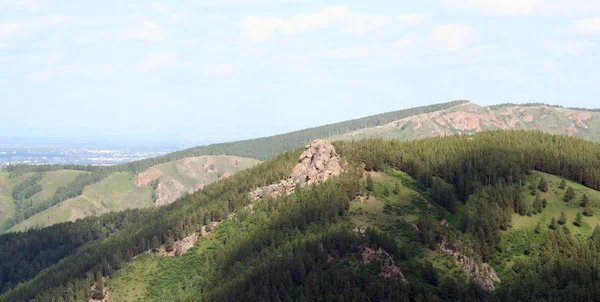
(543, 185)
(584, 200)
(569, 194)
(533, 190)
(544, 203)
(563, 218)
(98, 293)
(578, 219)
(563, 184)
(369, 183)
(386, 192)
(553, 225)
(538, 228)
(537, 203)
(588, 211)
(397, 189)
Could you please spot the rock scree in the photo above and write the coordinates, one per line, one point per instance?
(318, 162)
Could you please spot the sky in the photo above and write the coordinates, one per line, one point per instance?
(233, 69)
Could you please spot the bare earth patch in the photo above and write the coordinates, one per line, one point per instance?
(147, 177)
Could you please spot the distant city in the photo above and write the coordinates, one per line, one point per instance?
(76, 156)
(41, 151)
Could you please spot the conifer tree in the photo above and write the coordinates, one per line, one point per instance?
(397, 188)
(543, 185)
(553, 224)
(369, 183)
(569, 194)
(544, 203)
(578, 219)
(563, 218)
(588, 211)
(584, 200)
(537, 203)
(563, 184)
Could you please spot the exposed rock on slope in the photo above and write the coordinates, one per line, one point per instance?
(482, 273)
(147, 177)
(318, 163)
(388, 267)
(470, 118)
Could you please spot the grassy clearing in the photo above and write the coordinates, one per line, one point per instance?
(7, 205)
(556, 205)
(130, 283)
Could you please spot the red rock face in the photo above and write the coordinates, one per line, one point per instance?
(147, 177)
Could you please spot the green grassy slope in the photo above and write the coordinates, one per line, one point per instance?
(119, 191)
(50, 182)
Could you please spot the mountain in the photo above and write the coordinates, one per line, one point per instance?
(157, 185)
(493, 216)
(468, 118)
(109, 188)
(103, 189)
(22, 215)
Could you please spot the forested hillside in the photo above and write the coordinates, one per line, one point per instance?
(261, 148)
(503, 215)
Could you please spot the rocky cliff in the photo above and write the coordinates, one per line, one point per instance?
(318, 162)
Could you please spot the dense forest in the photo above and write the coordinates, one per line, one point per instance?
(261, 148)
(304, 246)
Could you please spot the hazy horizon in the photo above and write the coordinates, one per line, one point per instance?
(241, 69)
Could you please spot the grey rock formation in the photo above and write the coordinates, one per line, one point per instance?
(317, 163)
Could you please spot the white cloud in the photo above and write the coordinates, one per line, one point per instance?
(157, 61)
(26, 5)
(148, 32)
(3, 45)
(452, 37)
(260, 28)
(494, 7)
(587, 26)
(405, 42)
(219, 70)
(349, 53)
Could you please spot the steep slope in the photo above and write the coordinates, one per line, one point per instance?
(470, 118)
(49, 183)
(158, 185)
(435, 219)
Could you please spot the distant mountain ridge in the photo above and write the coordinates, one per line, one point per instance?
(469, 118)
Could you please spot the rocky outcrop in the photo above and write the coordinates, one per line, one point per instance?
(147, 177)
(168, 191)
(388, 267)
(317, 163)
(481, 273)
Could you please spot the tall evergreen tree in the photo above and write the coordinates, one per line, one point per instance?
(569, 194)
(578, 219)
(563, 184)
(543, 185)
(563, 218)
(584, 200)
(370, 186)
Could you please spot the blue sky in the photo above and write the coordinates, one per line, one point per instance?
(229, 69)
